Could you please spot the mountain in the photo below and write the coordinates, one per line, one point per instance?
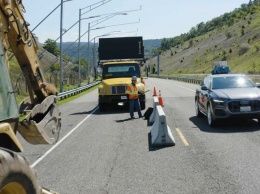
(233, 37)
(151, 44)
(71, 48)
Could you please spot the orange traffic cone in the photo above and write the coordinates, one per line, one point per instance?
(154, 92)
(160, 99)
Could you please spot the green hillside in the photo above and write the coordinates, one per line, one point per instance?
(232, 37)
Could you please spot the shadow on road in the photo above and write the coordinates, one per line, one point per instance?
(123, 120)
(154, 148)
(227, 126)
(85, 112)
(109, 110)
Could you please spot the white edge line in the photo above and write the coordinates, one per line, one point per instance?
(183, 87)
(60, 141)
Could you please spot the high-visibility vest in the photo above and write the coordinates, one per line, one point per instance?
(132, 91)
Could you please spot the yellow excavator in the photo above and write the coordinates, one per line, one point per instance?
(43, 118)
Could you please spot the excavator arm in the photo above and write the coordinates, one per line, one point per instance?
(42, 124)
(24, 47)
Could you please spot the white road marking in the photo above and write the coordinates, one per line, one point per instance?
(180, 86)
(60, 141)
(184, 88)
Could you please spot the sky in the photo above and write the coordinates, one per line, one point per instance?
(151, 19)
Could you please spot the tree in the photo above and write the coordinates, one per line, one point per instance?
(54, 70)
(242, 32)
(256, 2)
(165, 44)
(190, 43)
(193, 33)
(83, 66)
(51, 46)
(228, 34)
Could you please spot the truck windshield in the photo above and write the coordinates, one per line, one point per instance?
(120, 70)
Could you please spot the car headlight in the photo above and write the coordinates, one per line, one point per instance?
(218, 102)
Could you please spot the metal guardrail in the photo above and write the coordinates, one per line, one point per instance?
(255, 78)
(75, 91)
(183, 79)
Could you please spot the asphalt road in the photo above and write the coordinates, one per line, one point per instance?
(109, 153)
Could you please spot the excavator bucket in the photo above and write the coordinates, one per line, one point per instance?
(42, 124)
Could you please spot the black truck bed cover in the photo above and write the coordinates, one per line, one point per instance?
(121, 48)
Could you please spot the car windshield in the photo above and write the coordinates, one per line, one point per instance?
(120, 70)
(231, 82)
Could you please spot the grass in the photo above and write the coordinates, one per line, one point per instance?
(66, 100)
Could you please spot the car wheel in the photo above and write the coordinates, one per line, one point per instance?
(197, 110)
(211, 121)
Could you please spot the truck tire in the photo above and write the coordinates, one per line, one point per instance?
(101, 107)
(258, 119)
(16, 177)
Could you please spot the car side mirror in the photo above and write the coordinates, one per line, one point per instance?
(204, 87)
(257, 85)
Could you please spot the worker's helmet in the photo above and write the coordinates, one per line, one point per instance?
(134, 78)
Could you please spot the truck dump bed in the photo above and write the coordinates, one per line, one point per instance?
(121, 48)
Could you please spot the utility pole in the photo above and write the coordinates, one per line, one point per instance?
(61, 29)
(79, 76)
(158, 64)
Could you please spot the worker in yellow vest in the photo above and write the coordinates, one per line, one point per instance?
(132, 92)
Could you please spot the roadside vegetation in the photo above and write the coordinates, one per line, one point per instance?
(232, 37)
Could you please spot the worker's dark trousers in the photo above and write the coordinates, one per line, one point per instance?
(134, 104)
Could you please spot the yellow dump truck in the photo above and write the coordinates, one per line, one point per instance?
(120, 58)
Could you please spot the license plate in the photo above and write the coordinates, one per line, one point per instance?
(123, 97)
(245, 108)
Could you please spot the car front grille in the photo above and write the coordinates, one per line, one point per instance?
(235, 106)
(118, 89)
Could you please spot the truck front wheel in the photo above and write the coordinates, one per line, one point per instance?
(16, 177)
(102, 107)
